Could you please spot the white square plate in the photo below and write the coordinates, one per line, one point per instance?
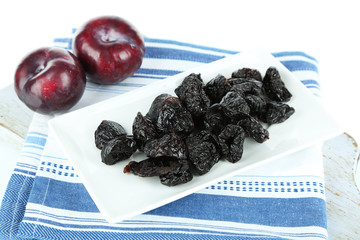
(119, 196)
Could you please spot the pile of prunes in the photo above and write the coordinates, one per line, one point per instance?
(187, 134)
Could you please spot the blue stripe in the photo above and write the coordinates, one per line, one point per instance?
(104, 90)
(286, 212)
(25, 171)
(36, 140)
(37, 133)
(74, 219)
(25, 165)
(31, 146)
(176, 54)
(64, 40)
(53, 157)
(150, 227)
(299, 65)
(313, 87)
(121, 84)
(130, 84)
(293, 53)
(153, 71)
(189, 45)
(50, 193)
(311, 82)
(28, 229)
(145, 76)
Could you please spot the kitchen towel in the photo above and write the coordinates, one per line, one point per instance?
(284, 199)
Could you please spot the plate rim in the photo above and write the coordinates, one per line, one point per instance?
(112, 219)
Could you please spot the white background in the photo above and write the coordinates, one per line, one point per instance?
(327, 30)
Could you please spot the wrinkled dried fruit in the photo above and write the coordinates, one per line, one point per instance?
(231, 141)
(247, 87)
(143, 130)
(173, 117)
(169, 145)
(235, 81)
(180, 175)
(216, 88)
(171, 171)
(234, 105)
(203, 150)
(215, 119)
(256, 104)
(156, 106)
(152, 166)
(276, 112)
(106, 131)
(247, 73)
(254, 129)
(274, 87)
(118, 149)
(192, 95)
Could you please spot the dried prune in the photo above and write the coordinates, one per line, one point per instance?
(156, 105)
(178, 176)
(256, 104)
(169, 145)
(234, 105)
(171, 171)
(247, 73)
(143, 130)
(235, 81)
(214, 119)
(193, 96)
(254, 129)
(216, 88)
(247, 87)
(203, 150)
(274, 87)
(231, 141)
(276, 112)
(118, 149)
(106, 131)
(152, 166)
(173, 117)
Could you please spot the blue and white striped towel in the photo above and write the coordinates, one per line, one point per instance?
(45, 198)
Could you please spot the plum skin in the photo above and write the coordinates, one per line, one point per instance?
(109, 49)
(50, 80)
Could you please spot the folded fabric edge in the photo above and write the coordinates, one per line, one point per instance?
(19, 187)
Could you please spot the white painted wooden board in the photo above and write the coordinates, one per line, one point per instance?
(342, 196)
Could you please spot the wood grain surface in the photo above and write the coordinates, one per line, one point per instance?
(342, 195)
